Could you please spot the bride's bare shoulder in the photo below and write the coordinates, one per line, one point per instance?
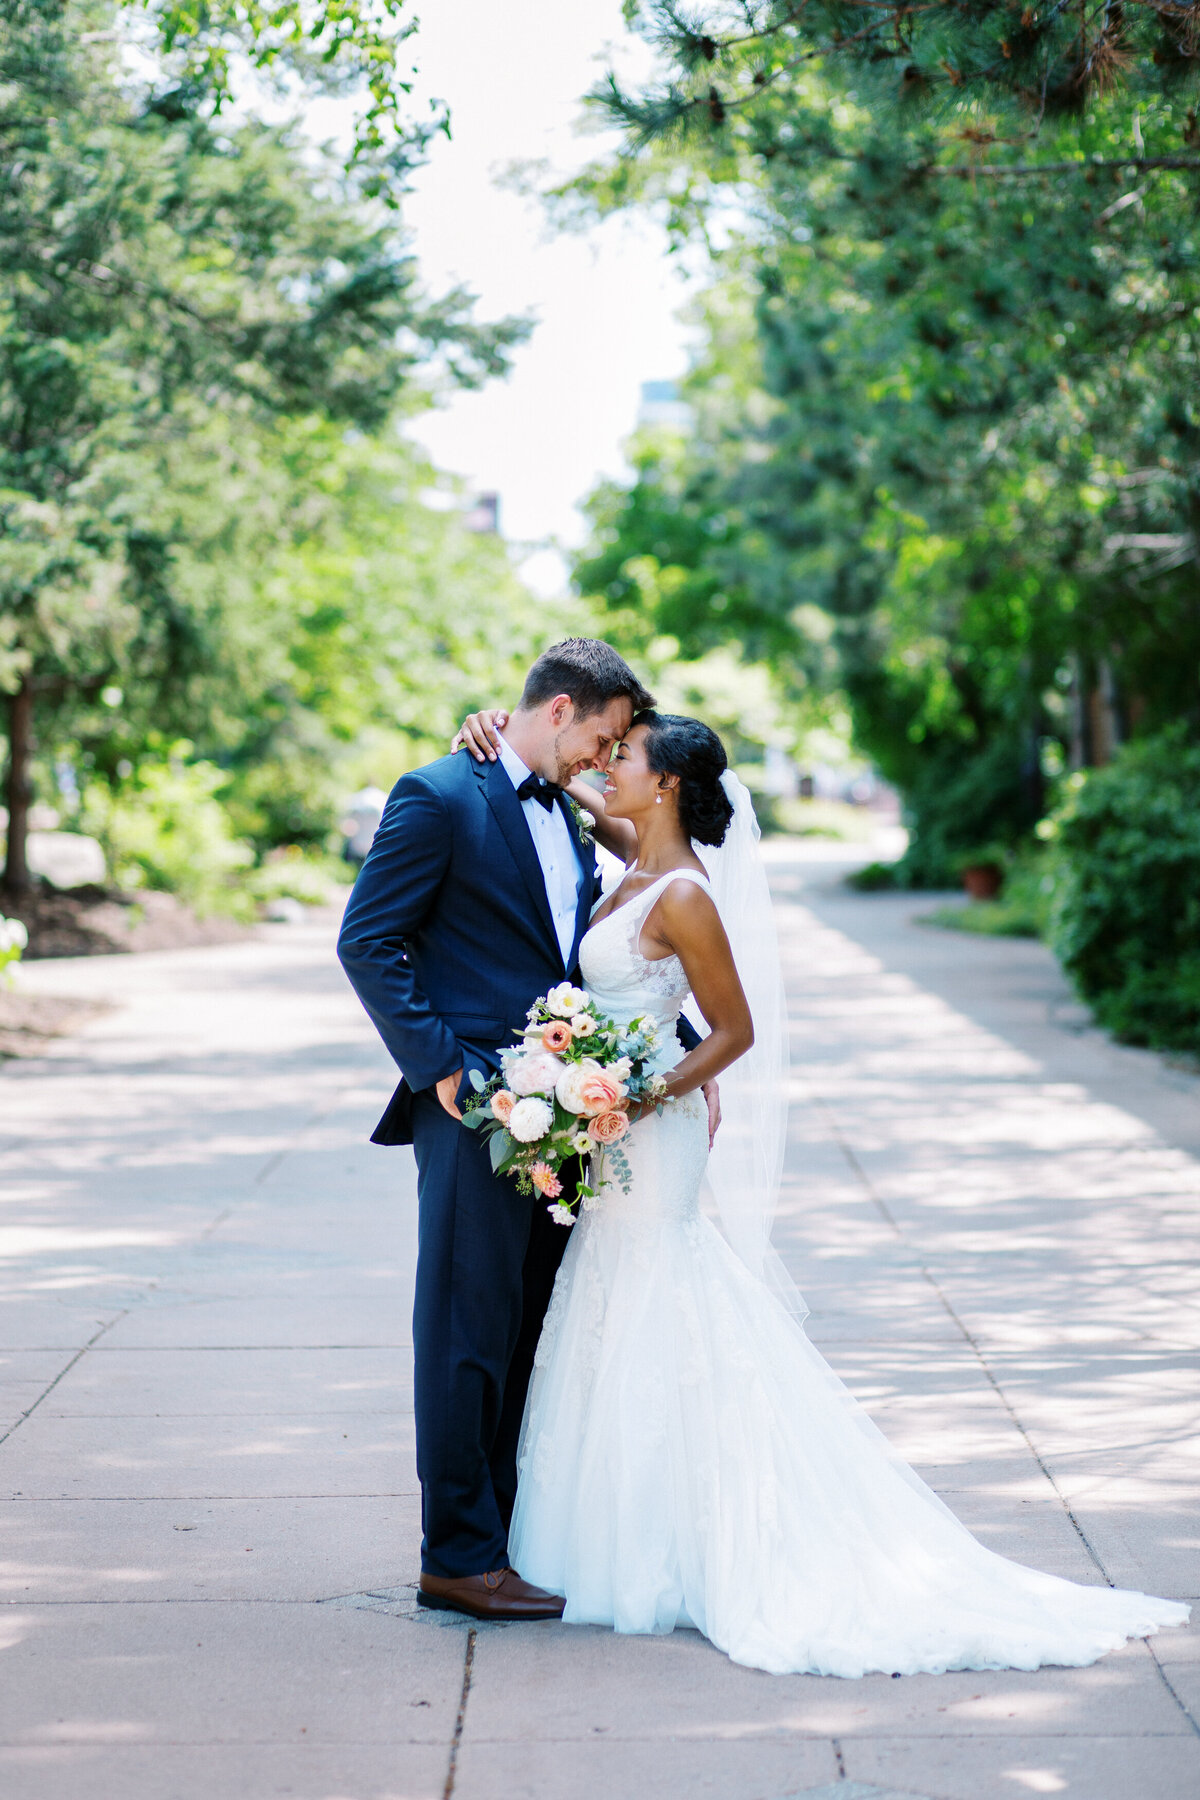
(686, 905)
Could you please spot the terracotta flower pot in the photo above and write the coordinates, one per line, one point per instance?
(983, 881)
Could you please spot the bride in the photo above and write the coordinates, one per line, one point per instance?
(687, 1457)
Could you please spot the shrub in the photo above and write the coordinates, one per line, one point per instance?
(291, 873)
(1126, 914)
(873, 878)
(962, 799)
(13, 940)
(165, 829)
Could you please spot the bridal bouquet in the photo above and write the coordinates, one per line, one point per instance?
(565, 1090)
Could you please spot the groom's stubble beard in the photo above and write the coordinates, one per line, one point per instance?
(563, 768)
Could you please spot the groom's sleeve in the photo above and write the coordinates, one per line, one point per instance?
(687, 1034)
(392, 898)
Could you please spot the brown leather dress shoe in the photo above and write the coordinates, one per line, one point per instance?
(501, 1594)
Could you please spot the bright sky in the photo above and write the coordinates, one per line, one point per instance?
(606, 302)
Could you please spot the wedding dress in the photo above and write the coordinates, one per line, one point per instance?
(688, 1457)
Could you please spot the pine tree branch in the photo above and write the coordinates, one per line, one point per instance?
(993, 170)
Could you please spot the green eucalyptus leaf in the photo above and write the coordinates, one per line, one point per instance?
(502, 1146)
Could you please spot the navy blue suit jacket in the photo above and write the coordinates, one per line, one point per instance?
(448, 937)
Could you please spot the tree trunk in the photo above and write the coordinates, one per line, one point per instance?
(19, 788)
(1081, 721)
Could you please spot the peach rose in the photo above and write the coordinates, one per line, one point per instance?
(600, 1092)
(587, 1087)
(607, 1127)
(545, 1180)
(557, 1036)
(502, 1105)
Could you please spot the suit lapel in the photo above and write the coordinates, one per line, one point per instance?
(587, 865)
(501, 796)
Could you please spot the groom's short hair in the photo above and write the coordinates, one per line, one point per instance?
(590, 672)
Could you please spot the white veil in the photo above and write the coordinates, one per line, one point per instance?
(746, 1164)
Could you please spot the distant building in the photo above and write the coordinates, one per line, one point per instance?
(661, 405)
(483, 514)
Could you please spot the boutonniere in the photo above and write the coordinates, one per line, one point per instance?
(585, 822)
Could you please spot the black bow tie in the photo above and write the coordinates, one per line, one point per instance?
(536, 787)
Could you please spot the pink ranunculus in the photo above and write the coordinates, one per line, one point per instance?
(600, 1092)
(557, 1035)
(607, 1127)
(545, 1180)
(502, 1105)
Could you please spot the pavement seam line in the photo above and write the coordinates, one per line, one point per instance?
(1166, 1681)
(78, 1356)
(928, 1276)
(886, 1214)
(456, 1740)
(273, 1161)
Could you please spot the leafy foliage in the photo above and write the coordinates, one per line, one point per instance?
(1126, 918)
(946, 453)
(167, 830)
(183, 309)
(336, 45)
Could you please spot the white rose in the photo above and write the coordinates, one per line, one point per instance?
(564, 1000)
(568, 1087)
(621, 1068)
(534, 1074)
(583, 1024)
(530, 1120)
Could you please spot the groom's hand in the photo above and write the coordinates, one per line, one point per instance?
(447, 1090)
(712, 1099)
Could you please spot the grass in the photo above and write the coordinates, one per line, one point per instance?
(986, 918)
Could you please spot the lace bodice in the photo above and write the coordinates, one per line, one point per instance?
(621, 980)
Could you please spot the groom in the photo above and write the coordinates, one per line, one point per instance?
(471, 904)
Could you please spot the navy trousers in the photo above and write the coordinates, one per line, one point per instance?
(486, 1261)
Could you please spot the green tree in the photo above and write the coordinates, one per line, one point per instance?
(168, 288)
(971, 305)
(360, 46)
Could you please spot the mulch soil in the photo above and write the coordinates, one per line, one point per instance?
(96, 921)
(28, 1022)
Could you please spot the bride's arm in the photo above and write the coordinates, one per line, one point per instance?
(617, 835)
(684, 922)
(480, 734)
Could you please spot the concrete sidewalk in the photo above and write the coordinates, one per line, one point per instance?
(211, 1517)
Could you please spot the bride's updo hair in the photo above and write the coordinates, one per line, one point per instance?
(693, 751)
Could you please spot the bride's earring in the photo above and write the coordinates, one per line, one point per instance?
(658, 799)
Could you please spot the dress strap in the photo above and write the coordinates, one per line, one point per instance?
(645, 900)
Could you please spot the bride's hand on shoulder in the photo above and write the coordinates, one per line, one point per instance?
(480, 734)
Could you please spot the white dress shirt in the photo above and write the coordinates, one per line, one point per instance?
(555, 851)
